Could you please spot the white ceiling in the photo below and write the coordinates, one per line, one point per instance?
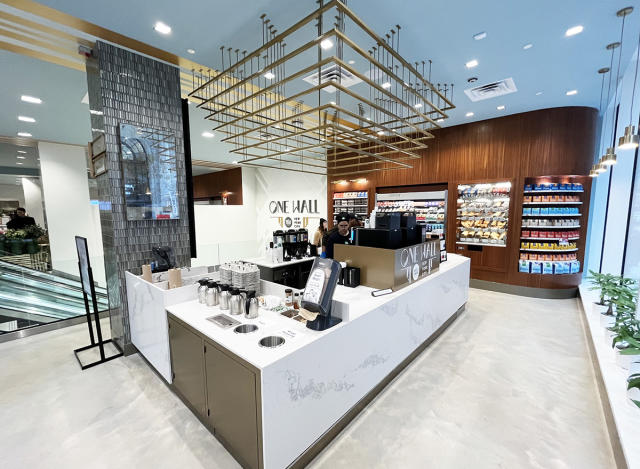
(437, 29)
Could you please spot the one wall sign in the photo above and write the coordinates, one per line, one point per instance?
(294, 213)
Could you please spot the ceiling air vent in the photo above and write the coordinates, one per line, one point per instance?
(333, 73)
(491, 90)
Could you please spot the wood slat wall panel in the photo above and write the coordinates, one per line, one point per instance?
(211, 185)
(556, 141)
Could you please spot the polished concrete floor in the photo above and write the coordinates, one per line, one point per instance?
(508, 385)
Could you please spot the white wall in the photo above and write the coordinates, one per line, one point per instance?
(65, 189)
(227, 232)
(33, 199)
(12, 192)
(235, 232)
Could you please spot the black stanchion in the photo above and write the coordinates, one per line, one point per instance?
(89, 290)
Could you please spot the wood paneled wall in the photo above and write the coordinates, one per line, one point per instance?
(547, 142)
(216, 184)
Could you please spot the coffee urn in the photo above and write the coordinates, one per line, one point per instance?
(303, 243)
(290, 244)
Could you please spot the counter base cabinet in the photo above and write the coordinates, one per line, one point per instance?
(231, 397)
(220, 389)
(187, 363)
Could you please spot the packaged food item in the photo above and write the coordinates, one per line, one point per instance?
(547, 267)
(536, 267)
(524, 256)
(524, 266)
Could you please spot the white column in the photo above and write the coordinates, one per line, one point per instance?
(33, 199)
(69, 212)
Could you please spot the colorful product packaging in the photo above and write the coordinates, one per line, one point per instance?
(524, 266)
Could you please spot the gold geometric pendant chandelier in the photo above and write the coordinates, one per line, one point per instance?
(313, 99)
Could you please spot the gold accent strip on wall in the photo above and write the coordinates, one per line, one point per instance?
(99, 32)
(42, 56)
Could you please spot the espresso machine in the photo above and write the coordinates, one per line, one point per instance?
(290, 244)
(303, 243)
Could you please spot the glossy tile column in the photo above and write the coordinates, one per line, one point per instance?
(125, 87)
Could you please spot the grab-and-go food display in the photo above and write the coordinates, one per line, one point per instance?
(483, 213)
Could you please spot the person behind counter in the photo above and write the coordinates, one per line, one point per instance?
(318, 236)
(340, 236)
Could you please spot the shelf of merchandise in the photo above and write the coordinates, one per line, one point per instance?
(357, 203)
(551, 227)
(550, 239)
(566, 215)
(495, 245)
(552, 203)
(554, 192)
(487, 200)
(570, 217)
(556, 251)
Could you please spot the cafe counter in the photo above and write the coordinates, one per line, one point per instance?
(273, 407)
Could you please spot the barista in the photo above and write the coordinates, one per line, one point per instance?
(340, 236)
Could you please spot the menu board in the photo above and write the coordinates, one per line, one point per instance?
(483, 214)
(83, 259)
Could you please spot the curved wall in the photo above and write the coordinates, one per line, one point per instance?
(546, 142)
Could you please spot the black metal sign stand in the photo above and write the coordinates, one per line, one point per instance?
(86, 275)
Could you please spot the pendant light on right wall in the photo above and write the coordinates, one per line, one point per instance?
(603, 71)
(630, 139)
(610, 158)
(600, 167)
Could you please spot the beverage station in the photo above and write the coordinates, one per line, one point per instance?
(273, 353)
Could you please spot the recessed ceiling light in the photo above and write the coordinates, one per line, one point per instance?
(191, 51)
(326, 44)
(572, 92)
(380, 132)
(386, 85)
(538, 93)
(18, 162)
(351, 62)
(26, 119)
(471, 63)
(527, 46)
(24, 134)
(333, 103)
(162, 28)
(23, 152)
(574, 30)
(417, 105)
(500, 108)
(30, 99)
(480, 36)
(440, 120)
(21, 157)
(469, 114)
(96, 113)
(208, 134)
(234, 162)
(269, 75)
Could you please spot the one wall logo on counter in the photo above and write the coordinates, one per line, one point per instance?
(417, 261)
(294, 213)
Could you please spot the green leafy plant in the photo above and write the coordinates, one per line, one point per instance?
(627, 325)
(34, 231)
(14, 234)
(634, 383)
(607, 284)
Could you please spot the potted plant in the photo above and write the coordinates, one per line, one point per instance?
(606, 284)
(15, 241)
(32, 234)
(626, 330)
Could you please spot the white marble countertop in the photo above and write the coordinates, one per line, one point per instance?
(261, 261)
(296, 334)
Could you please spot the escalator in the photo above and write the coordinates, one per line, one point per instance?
(30, 297)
